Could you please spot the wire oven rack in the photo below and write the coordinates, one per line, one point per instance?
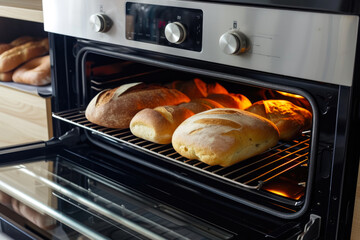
(251, 173)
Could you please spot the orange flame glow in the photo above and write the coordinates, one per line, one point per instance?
(290, 95)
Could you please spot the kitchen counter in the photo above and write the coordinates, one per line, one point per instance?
(29, 10)
(24, 117)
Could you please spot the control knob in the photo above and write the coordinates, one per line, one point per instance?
(175, 32)
(233, 42)
(101, 22)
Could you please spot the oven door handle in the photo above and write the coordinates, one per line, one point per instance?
(311, 229)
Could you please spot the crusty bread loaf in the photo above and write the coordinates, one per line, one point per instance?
(224, 136)
(200, 105)
(6, 77)
(158, 124)
(290, 119)
(43, 221)
(215, 88)
(194, 88)
(16, 56)
(116, 107)
(18, 41)
(34, 72)
(231, 100)
(21, 40)
(4, 47)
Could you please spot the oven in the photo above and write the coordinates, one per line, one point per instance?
(95, 182)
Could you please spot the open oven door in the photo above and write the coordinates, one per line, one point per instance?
(62, 190)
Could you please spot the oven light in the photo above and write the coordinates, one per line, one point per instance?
(284, 194)
(278, 192)
(290, 95)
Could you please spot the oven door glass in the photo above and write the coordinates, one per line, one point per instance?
(75, 190)
(59, 199)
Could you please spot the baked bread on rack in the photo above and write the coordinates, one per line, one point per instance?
(114, 108)
(158, 124)
(291, 120)
(224, 136)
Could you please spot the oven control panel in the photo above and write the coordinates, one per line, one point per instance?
(163, 25)
(302, 44)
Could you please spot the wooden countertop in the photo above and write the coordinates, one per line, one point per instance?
(29, 10)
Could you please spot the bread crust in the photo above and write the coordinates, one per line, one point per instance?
(115, 108)
(224, 136)
(194, 88)
(6, 77)
(216, 88)
(18, 55)
(34, 72)
(158, 124)
(21, 40)
(4, 47)
(238, 101)
(290, 119)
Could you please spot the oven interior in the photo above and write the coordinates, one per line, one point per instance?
(277, 178)
(268, 195)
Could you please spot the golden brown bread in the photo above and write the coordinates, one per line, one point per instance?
(18, 41)
(201, 104)
(231, 100)
(34, 72)
(6, 77)
(16, 56)
(224, 136)
(290, 119)
(21, 40)
(116, 107)
(215, 88)
(4, 47)
(194, 88)
(158, 124)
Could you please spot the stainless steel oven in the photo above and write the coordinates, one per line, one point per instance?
(93, 182)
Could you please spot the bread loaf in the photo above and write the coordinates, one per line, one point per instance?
(224, 136)
(290, 119)
(18, 41)
(196, 88)
(158, 124)
(215, 88)
(6, 77)
(22, 40)
(200, 105)
(16, 56)
(4, 47)
(116, 107)
(231, 100)
(34, 72)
